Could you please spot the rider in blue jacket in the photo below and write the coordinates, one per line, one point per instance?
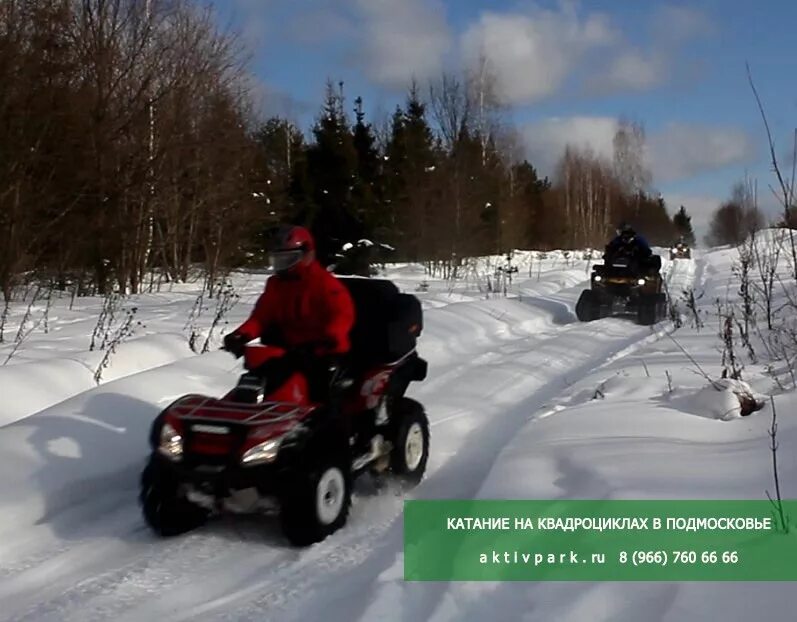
(627, 240)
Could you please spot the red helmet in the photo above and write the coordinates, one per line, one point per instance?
(291, 247)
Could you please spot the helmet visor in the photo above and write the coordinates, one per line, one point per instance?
(285, 260)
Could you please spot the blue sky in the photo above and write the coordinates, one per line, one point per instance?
(567, 69)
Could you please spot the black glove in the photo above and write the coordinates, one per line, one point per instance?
(235, 344)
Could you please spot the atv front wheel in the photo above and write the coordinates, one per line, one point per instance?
(410, 441)
(588, 307)
(166, 511)
(318, 505)
(651, 309)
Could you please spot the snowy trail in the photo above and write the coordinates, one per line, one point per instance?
(372, 588)
(515, 414)
(681, 274)
(64, 449)
(85, 555)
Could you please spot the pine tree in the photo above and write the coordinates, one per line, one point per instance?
(531, 227)
(412, 180)
(395, 187)
(477, 178)
(683, 226)
(368, 186)
(326, 185)
(280, 150)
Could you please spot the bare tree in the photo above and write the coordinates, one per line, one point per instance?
(738, 218)
(487, 104)
(107, 126)
(786, 186)
(589, 191)
(451, 107)
(630, 168)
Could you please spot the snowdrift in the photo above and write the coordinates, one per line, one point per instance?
(525, 403)
(30, 387)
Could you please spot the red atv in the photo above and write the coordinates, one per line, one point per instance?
(262, 450)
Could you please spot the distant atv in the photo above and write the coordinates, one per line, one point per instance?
(626, 285)
(680, 251)
(271, 449)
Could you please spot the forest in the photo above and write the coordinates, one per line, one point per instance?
(131, 150)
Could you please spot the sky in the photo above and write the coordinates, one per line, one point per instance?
(566, 69)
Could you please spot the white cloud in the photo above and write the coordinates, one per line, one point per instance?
(677, 152)
(533, 53)
(673, 25)
(682, 151)
(633, 70)
(256, 22)
(546, 140)
(401, 40)
(320, 25)
(271, 101)
(390, 41)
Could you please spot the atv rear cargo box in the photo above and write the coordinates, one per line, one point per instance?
(388, 322)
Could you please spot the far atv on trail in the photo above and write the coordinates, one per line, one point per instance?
(680, 250)
(626, 285)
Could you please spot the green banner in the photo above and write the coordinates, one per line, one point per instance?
(599, 541)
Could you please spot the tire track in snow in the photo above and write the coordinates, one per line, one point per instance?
(188, 575)
(379, 578)
(680, 277)
(360, 553)
(73, 565)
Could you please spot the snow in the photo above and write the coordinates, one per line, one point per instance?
(525, 402)
(720, 399)
(40, 384)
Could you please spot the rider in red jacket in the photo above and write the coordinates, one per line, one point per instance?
(304, 309)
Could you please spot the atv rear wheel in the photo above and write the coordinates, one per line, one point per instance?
(410, 441)
(166, 510)
(318, 505)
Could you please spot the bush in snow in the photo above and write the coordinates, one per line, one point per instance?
(193, 318)
(781, 520)
(226, 299)
(691, 304)
(731, 366)
(125, 330)
(724, 399)
(102, 329)
(21, 332)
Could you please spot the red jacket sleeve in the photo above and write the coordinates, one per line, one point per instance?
(259, 319)
(340, 316)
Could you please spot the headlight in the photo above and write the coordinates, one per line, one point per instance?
(674, 250)
(264, 452)
(598, 278)
(171, 442)
(641, 282)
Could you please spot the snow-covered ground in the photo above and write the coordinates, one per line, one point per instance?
(525, 402)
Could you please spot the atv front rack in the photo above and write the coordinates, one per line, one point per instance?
(209, 409)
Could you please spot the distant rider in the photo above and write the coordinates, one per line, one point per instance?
(304, 309)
